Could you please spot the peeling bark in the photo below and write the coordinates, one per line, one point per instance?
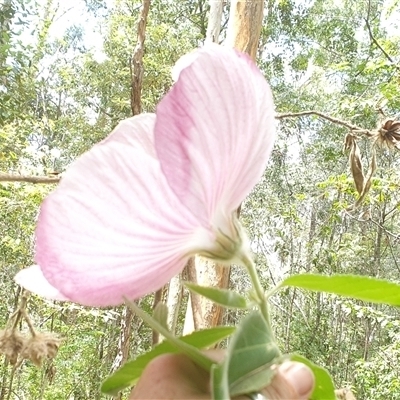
(136, 64)
(245, 23)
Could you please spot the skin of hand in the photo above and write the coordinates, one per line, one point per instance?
(174, 376)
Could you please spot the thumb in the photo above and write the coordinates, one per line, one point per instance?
(293, 381)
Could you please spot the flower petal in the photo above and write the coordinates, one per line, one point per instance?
(215, 130)
(32, 279)
(135, 132)
(113, 228)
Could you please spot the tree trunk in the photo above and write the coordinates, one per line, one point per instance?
(214, 20)
(124, 338)
(245, 23)
(174, 301)
(157, 298)
(137, 61)
(206, 273)
(243, 33)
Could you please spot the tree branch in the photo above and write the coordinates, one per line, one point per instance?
(136, 64)
(354, 128)
(28, 179)
(337, 121)
(379, 46)
(375, 41)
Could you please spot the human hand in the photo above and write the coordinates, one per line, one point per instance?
(174, 376)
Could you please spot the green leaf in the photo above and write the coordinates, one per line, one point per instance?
(324, 389)
(224, 297)
(130, 372)
(358, 287)
(250, 355)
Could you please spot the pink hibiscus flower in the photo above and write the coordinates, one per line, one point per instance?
(160, 188)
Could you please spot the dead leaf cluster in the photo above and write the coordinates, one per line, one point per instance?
(388, 134)
(11, 344)
(40, 347)
(35, 346)
(344, 394)
(18, 347)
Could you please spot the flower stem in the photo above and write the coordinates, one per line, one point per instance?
(258, 289)
(192, 352)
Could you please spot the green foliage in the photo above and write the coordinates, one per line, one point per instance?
(356, 287)
(224, 297)
(378, 377)
(129, 374)
(247, 365)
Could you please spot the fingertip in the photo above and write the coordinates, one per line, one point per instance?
(299, 376)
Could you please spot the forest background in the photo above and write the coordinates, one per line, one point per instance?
(65, 82)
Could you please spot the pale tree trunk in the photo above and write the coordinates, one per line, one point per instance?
(243, 33)
(204, 313)
(157, 299)
(245, 23)
(214, 20)
(124, 339)
(174, 298)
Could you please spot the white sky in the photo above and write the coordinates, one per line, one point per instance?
(68, 14)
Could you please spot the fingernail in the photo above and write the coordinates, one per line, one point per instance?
(299, 376)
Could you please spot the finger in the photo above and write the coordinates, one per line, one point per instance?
(293, 381)
(172, 376)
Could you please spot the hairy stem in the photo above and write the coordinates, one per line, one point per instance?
(258, 289)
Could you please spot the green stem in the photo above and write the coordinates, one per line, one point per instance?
(271, 292)
(258, 289)
(192, 352)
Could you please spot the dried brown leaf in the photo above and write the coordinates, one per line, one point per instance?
(348, 140)
(356, 167)
(395, 135)
(387, 124)
(394, 127)
(368, 179)
(388, 134)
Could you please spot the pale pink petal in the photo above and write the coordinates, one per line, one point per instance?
(140, 134)
(113, 227)
(214, 131)
(32, 279)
